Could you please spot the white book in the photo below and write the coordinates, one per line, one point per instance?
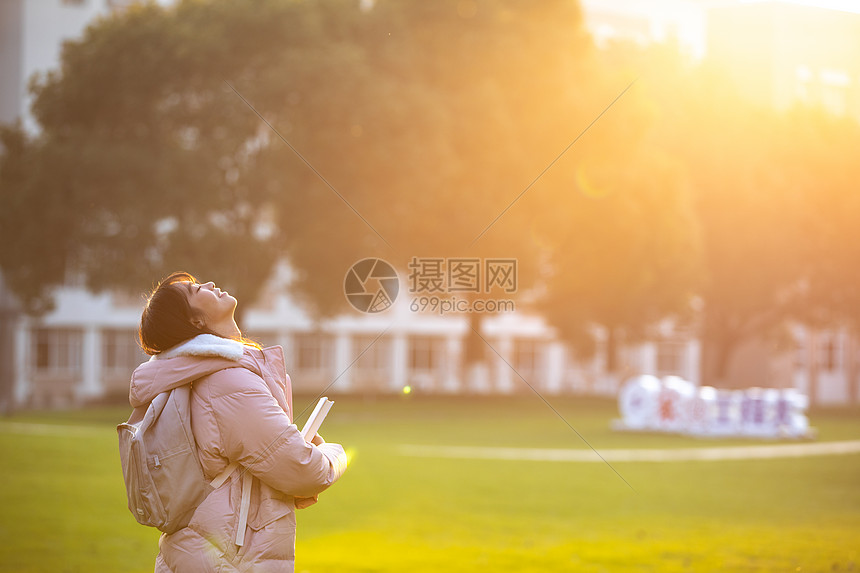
(316, 418)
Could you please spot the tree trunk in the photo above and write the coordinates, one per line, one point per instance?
(714, 368)
(722, 357)
(813, 366)
(474, 349)
(851, 368)
(9, 313)
(7, 367)
(611, 350)
(474, 354)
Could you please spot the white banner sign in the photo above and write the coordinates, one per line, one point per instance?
(674, 405)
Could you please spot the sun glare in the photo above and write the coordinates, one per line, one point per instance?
(843, 5)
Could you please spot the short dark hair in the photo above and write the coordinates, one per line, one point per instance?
(167, 318)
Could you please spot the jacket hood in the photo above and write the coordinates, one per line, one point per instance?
(195, 358)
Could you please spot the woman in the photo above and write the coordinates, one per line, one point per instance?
(241, 411)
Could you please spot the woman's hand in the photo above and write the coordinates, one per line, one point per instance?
(303, 502)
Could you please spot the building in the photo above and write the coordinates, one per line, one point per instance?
(789, 53)
(86, 350)
(31, 39)
(644, 22)
(826, 365)
(780, 53)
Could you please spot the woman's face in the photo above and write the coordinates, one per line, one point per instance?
(210, 302)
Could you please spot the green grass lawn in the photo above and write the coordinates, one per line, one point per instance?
(62, 501)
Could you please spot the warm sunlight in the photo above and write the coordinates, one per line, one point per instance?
(577, 277)
(785, 54)
(844, 5)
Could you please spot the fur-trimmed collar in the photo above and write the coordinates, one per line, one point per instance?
(205, 345)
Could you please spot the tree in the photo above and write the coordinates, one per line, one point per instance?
(424, 119)
(143, 163)
(623, 244)
(753, 212)
(476, 105)
(624, 251)
(818, 151)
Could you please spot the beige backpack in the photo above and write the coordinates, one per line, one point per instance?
(164, 480)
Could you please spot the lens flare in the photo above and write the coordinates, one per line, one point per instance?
(587, 187)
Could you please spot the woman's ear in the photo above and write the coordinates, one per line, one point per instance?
(198, 323)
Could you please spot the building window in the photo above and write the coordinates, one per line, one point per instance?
(313, 351)
(799, 354)
(120, 350)
(376, 355)
(828, 357)
(56, 350)
(526, 358)
(670, 357)
(425, 353)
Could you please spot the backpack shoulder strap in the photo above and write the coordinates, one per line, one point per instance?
(246, 497)
(222, 477)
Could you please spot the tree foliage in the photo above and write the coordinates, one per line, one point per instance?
(424, 119)
(428, 121)
(623, 241)
(775, 196)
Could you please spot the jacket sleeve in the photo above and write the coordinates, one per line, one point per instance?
(256, 432)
